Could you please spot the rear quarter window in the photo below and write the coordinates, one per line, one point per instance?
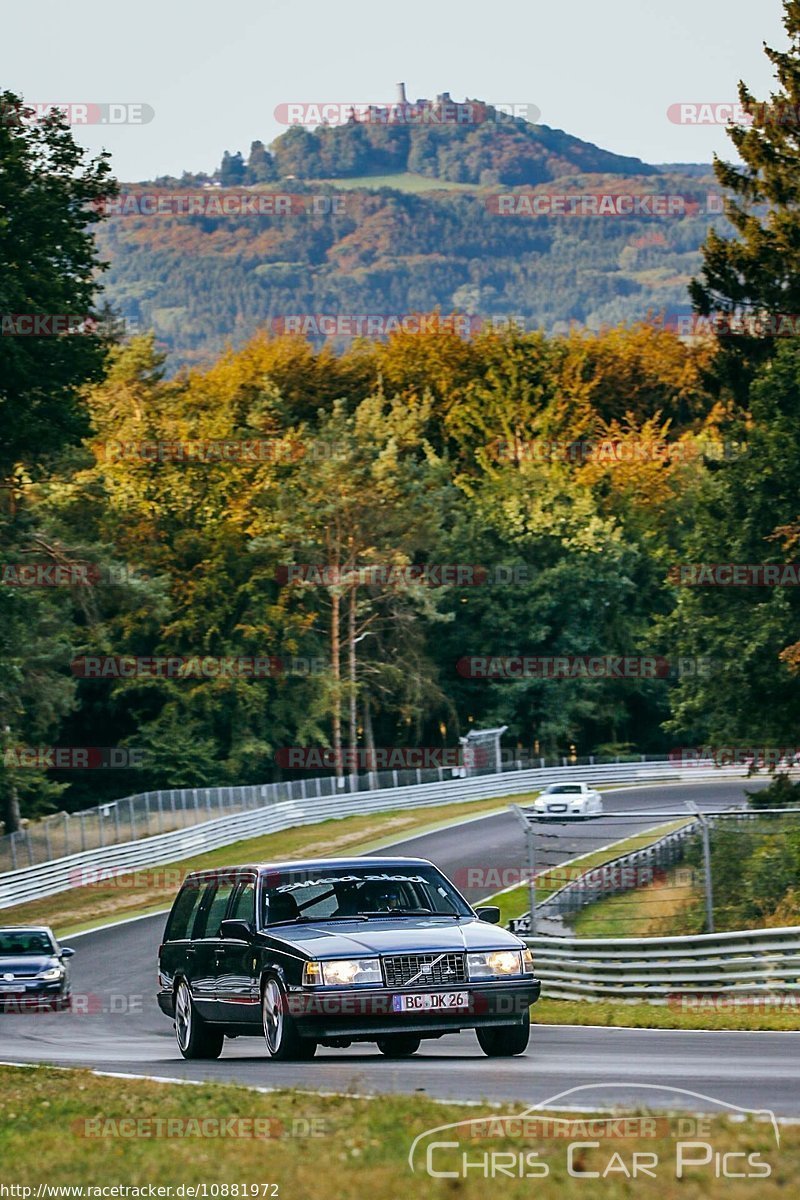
(181, 919)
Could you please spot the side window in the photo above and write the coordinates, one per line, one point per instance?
(212, 910)
(183, 912)
(244, 902)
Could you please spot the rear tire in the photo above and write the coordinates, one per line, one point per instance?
(280, 1029)
(195, 1038)
(399, 1045)
(504, 1041)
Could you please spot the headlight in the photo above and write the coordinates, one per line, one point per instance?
(343, 971)
(51, 974)
(495, 964)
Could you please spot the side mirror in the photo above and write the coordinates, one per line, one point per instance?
(490, 913)
(66, 952)
(240, 931)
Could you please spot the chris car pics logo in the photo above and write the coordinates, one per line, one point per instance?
(590, 1144)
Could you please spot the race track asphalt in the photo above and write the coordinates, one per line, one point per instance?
(118, 1026)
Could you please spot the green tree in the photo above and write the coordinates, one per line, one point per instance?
(51, 195)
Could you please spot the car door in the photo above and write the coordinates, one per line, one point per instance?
(237, 975)
(202, 956)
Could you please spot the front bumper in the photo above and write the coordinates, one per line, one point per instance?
(32, 995)
(332, 1013)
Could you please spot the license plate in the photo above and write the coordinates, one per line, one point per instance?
(430, 1001)
(5, 988)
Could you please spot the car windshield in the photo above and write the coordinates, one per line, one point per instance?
(24, 941)
(562, 789)
(359, 892)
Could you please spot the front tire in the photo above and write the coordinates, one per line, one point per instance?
(399, 1045)
(280, 1029)
(195, 1038)
(504, 1041)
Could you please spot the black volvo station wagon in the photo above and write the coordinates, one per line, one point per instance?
(334, 951)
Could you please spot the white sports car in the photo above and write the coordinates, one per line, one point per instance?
(568, 800)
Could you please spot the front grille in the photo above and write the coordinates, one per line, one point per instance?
(403, 970)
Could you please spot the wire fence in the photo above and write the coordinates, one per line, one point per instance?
(664, 874)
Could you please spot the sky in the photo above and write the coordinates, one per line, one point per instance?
(213, 74)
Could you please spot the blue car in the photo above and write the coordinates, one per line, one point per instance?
(334, 951)
(34, 970)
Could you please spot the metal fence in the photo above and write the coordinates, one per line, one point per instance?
(149, 813)
(758, 968)
(638, 869)
(251, 811)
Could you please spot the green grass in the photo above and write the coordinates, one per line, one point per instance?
(516, 901)
(733, 1013)
(656, 910)
(360, 1147)
(147, 891)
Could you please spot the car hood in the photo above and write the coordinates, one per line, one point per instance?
(395, 935)
(25, 964)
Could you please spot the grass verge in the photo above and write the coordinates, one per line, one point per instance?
(72, 1128)
(672, 906)
(149, 890)
(736, 1012)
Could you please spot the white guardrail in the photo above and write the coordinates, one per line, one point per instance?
(678, 971)
(58, 875)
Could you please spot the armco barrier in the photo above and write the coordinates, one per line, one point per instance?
(46, 879)
(679, 971)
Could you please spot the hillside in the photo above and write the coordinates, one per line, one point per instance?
(374, 218)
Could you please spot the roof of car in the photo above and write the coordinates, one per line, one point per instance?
(26, 929)
(313, 864)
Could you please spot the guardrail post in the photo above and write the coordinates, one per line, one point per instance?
(117, 823)
(12, 841)
(394, 777)
(83, 830)
(48, 847)
(133, 818)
